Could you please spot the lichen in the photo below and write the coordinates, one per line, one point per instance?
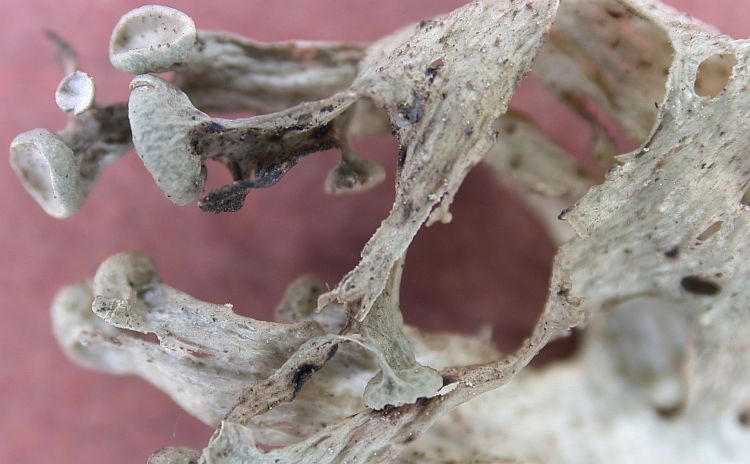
(652, 260)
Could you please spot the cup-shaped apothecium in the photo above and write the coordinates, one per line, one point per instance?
(151, 39)
(49, 172)
(76, 93)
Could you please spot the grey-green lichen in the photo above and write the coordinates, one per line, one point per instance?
(60, 169)
(151, 39)
(653, 259)
(76, 92)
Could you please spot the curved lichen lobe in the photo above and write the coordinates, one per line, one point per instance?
(48, 171)
(161, 116)
(34, 170)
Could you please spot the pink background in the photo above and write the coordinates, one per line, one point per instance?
(489, 266)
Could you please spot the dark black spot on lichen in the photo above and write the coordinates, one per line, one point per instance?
(412, 113)
(563, 213)
(669, 412)
(468, 131)
(195, 145)
(333, 349)
(322, 131)
(408, 210)
(227, 199)
(401, 157)
(214, 128)
(387, 410)
(433, 69)
(431, 73)
(301, 375)
(615, 14)
(672, 252)
(276, 136)
(699, 285)
(409, 438)
(449, 379)
(563, 292)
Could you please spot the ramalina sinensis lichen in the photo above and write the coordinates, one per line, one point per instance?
(653, 260)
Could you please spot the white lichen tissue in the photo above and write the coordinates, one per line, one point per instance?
(652, 266)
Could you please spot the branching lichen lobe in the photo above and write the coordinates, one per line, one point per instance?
(653, 259)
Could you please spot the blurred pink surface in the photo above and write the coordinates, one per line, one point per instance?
(488, 267)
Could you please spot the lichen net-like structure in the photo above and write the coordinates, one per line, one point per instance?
(652, 262)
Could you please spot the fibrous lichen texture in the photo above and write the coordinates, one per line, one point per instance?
(652, 263)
